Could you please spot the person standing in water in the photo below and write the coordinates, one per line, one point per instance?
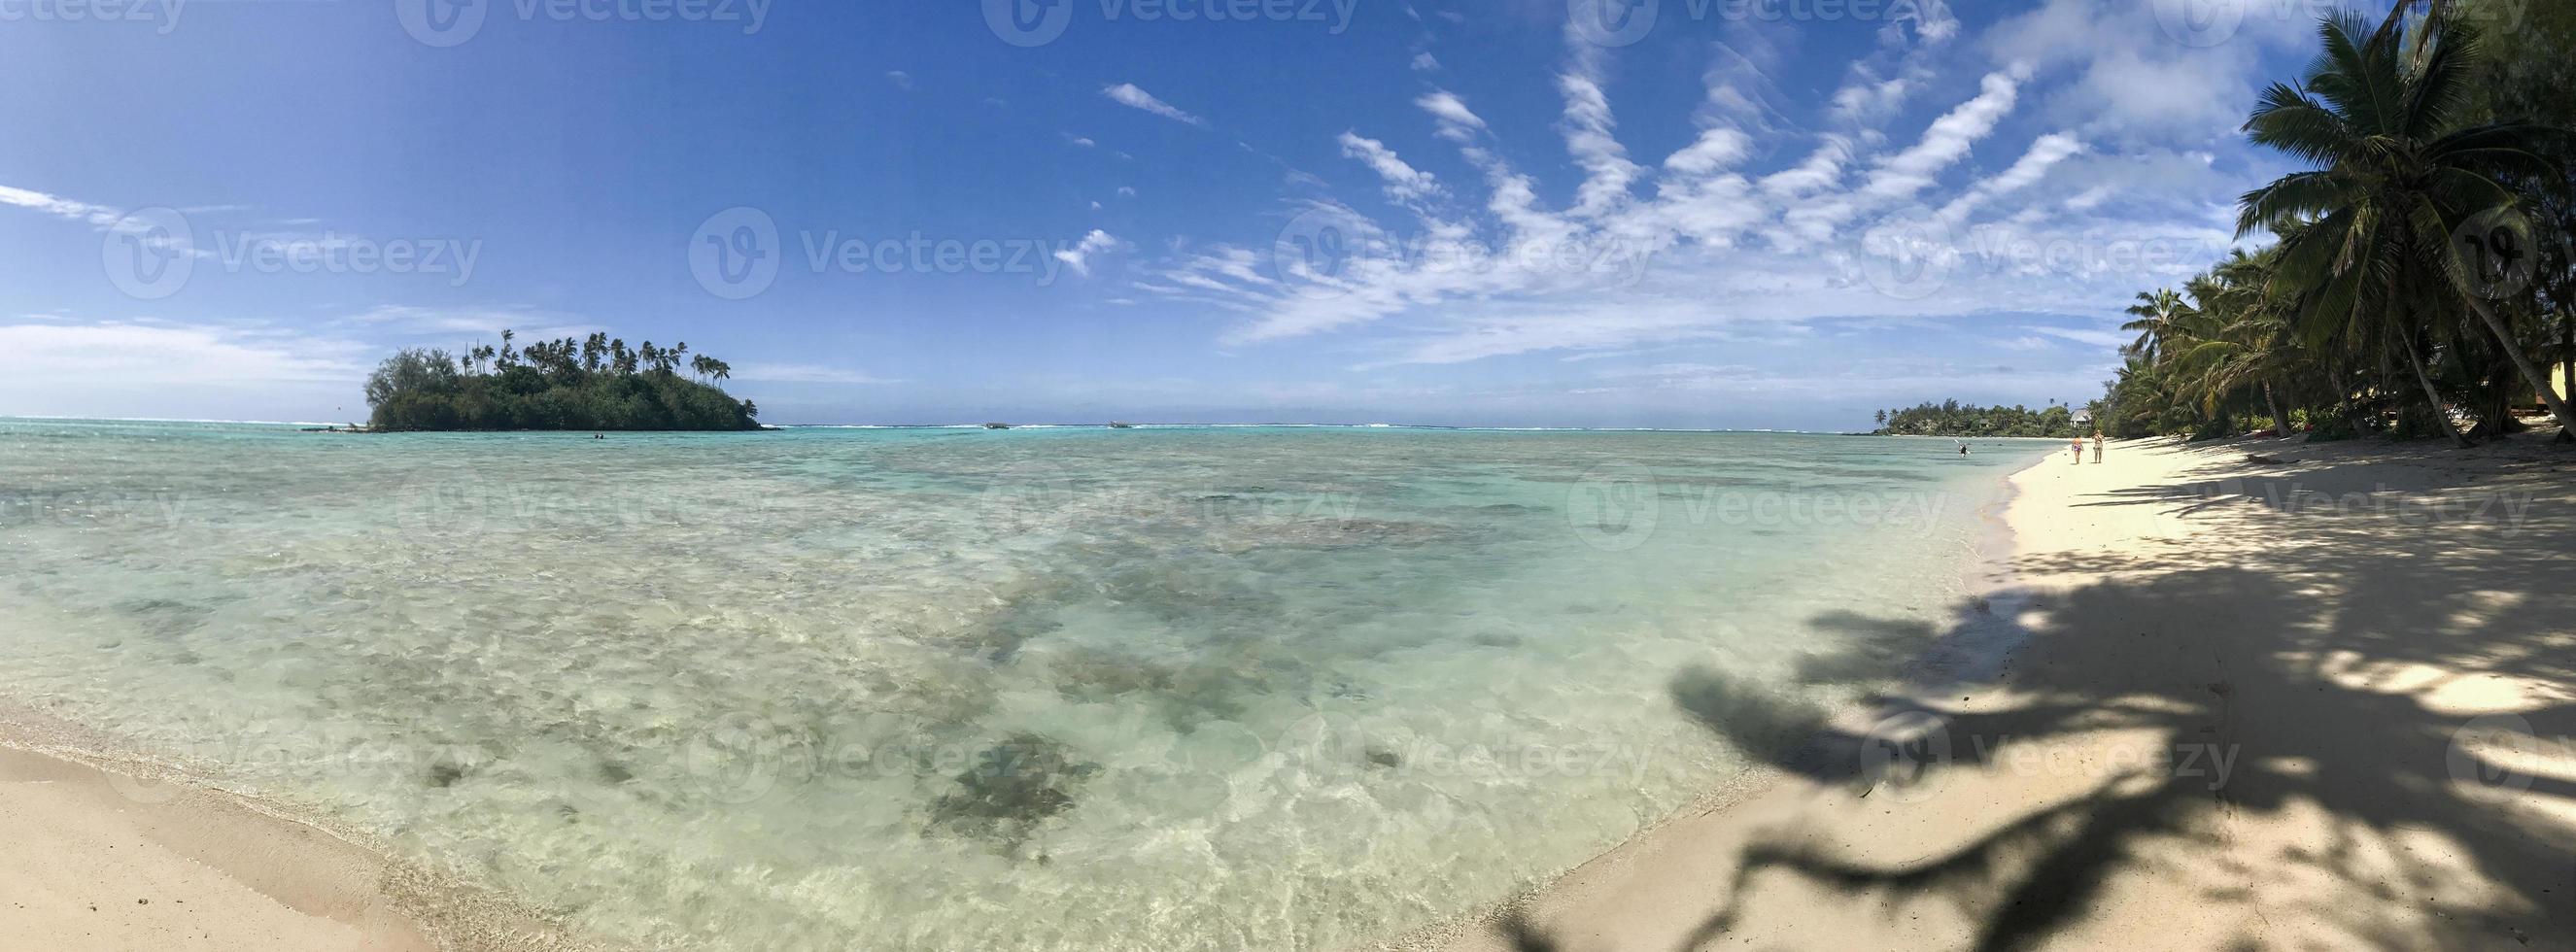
(2097, 447)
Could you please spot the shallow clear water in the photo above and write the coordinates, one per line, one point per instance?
(1166, 688)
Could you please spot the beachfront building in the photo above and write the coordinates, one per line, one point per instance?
(2559, 381)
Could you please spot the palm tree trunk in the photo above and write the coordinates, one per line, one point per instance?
(2522, 361)
(2567, 367)
(2280, 420)
(2441, 413)
(2343, 399)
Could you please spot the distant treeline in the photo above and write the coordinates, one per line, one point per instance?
(592, 384)
(1951, 418)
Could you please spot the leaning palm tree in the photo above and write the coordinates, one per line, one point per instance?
(2155, 311)
(2395, 177)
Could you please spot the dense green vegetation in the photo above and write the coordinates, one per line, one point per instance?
(592, 384)
(1950, 418)
(2421, 282)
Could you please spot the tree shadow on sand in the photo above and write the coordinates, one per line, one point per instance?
(2338, 688)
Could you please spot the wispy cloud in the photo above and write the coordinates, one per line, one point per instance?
(2097, 338)
(97, 216)
(1693, 247)
(1078, 257)
(481, 323)
(134, 355)
(1404, 183)
(1127, 94)
(804, 373)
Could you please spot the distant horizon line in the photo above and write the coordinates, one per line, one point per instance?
(1075, 426)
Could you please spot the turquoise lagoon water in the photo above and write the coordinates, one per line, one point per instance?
(1181, 688)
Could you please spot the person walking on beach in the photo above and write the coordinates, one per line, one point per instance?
(2076, 443)
(2097, 447)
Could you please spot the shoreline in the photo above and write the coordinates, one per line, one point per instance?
(2145, 608)
(2195, 746)
(403, 910)
(1971, 651)
(110, 849)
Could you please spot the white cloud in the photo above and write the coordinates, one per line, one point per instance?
(1404, 183)
(483, 324)
(96, 216)
(2131, 81)
(902, 80)
(138, 355)
(1715, 149)
(804, 373)
(1676, 253)
(2045, 153)
(1456, 123)
(1905, 173)
(1078, 257)
(1127, 94)
(1590, 136)
(2097, 338)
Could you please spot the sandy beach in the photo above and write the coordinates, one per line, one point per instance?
(2320, 703)
(104, 855)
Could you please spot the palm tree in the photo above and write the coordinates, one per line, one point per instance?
(2155, 310)
(2242, 340)
(2395, 177)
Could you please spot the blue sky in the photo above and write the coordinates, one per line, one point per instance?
(1690, 214)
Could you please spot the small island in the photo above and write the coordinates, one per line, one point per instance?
(1953, 419)
(596, 383)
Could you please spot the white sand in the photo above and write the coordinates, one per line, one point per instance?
(103, 852)
(2243, 720)
(2190, 613)
(90, 867)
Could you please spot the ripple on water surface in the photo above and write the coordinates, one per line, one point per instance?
(1163, 688)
